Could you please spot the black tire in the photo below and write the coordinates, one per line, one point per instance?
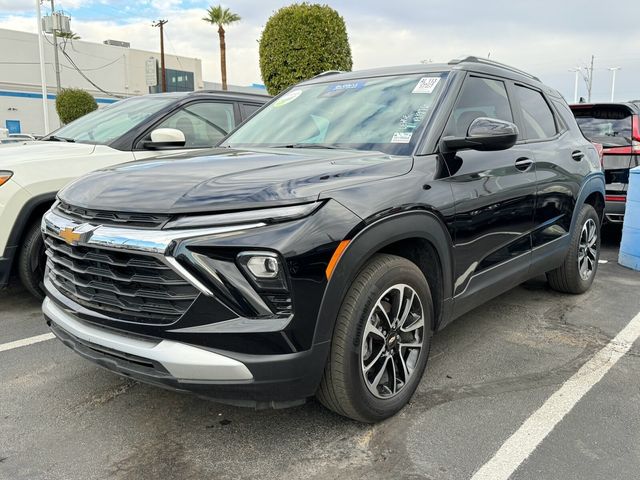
(567, 278)
(32, 261)
(343, 388)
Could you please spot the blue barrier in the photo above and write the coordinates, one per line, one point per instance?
(630, 245)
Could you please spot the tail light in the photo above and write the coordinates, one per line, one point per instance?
(615, 198)
(635, 134)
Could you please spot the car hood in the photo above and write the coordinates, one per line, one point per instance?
(225, 179)
(19, 154)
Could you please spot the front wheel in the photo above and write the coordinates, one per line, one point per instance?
(32, 262)
(580, 265)
(381, 341)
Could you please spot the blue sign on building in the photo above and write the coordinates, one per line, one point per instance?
(13, 126)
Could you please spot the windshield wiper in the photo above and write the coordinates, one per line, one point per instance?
(311, 145)
(56, 138)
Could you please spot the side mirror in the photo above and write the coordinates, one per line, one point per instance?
(165, 138)
(484, 134)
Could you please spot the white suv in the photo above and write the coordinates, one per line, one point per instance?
(31, 173)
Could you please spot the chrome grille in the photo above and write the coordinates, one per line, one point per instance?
(125, 285)
(105, 217)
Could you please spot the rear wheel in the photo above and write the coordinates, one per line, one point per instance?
(381, 341)
(580, 265)
(32, 261)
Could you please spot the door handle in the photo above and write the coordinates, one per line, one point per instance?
(577, 155)
(523, 164)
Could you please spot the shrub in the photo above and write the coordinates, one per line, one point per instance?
(73, 103)
(300, 41)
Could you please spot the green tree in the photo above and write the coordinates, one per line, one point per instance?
(300, 41)
(68, 35)
(73, 103)
(222, 16)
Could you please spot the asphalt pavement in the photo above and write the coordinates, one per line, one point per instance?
(61, 417)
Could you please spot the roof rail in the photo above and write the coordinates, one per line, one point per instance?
(232, 92)
(486, 61)
(327, 72)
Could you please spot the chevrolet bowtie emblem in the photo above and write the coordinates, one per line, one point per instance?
(75, 235)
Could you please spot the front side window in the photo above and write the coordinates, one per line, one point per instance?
(111, 122)
(538, 118)
(382, 113)
(204, 124)
(480, 97)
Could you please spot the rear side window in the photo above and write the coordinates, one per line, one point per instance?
(480, 97)
(609, 125)
(538, 118)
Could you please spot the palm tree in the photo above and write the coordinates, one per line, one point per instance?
(221, 16)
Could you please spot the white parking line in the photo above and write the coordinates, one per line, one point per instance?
(534, 430)
(26, 341)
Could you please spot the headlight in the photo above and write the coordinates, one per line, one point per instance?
(265, 215)
(5, 176)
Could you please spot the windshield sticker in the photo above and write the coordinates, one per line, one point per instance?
(401, 137)
(340, 88)
(426, 85)
(345, 86)
(287, 98)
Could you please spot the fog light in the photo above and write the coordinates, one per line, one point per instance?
(263, 266)
(265, 270)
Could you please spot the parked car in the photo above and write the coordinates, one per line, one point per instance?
(617, 127)
(317, 251)
(17, 138)
(139, 127)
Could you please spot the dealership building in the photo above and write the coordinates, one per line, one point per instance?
(109, 71)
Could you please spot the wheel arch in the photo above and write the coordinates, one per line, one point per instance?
(419, 236)
(592, 193)
(35, 207)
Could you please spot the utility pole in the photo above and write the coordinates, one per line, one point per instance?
(43, 78)
(590, 80)
(613, 80)
(56, 21)
(575, 83)
(161, 24)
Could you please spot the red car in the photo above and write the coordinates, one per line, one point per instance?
(617, 127)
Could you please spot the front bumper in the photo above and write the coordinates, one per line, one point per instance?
(258, 381)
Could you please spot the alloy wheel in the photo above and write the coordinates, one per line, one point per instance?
(392, 341)
(587, 249)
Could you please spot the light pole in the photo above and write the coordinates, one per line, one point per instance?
(575, 83)
(43, 78)
(613, 80)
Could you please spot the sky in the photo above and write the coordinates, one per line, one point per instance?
(545, 38)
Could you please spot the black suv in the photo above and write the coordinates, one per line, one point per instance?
(616, 126)
(318, 250)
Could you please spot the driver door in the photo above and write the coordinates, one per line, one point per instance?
(494, 194)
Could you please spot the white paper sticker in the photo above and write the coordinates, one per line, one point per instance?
(287, 98)
(426, 85)
(401, 137)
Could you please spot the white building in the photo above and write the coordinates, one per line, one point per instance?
(116, 71)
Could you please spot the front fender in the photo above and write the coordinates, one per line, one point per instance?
(412, 224)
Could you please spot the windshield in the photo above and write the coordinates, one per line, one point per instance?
(110, 122)
(611, 126)
(382, 113)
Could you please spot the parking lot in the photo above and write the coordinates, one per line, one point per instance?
(63, 417)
